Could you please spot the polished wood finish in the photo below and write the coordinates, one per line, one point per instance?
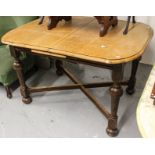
(72, 42)
(74, 86)
(19, 69)
(116, 92)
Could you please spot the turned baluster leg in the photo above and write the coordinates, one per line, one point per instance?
(18, 67)
(116, 92)
(132, 81)
(58, 64)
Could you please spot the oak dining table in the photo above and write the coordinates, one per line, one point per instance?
(78, 41)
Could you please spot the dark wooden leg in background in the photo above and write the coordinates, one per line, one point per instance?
(128, 22)
(132, 81)
(58, 64)
(127, 26)
(18, 67)
(116, 92)
(8, 92)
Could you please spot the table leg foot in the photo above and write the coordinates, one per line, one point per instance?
(130, 91)
(112, 132)
(59, 70)
(116, 92)
(27, 100)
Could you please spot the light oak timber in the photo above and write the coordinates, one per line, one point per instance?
(79, 39)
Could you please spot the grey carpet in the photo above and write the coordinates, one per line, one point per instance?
(69, 113)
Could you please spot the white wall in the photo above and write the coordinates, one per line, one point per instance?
(149, 56)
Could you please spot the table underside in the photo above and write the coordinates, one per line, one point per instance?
(115, 85)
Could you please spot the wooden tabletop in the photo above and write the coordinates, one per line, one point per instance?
(80, 39)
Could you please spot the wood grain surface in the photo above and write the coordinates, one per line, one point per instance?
(79, 39)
